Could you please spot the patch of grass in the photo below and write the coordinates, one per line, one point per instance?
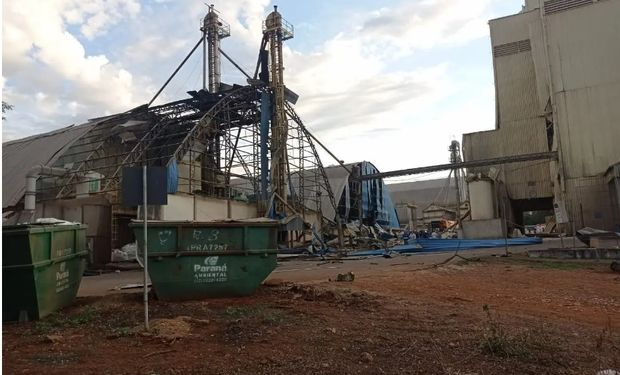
(495, 341)
(59, 320)
(534, 344)
(265, 313)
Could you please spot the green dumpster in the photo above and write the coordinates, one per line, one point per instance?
(42, 266)
(192, 260)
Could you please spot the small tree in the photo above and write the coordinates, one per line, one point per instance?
(5, 107)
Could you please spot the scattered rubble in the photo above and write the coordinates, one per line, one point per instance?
(349, 276)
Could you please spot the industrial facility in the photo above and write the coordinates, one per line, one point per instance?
(230, 152)
(207, 232)
(557, 89)
(241, 151)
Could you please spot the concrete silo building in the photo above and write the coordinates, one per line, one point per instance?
(557, 86)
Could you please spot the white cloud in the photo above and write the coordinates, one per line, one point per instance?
(41, 56)
(351, 95)
(362, 108)
(425, 24)
(95, 16)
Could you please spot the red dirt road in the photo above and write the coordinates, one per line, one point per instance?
(542, 318)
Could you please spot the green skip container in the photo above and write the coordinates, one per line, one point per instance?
(193, 260)
(42, 266)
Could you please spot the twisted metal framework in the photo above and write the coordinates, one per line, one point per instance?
(132, 138)
(214, 140)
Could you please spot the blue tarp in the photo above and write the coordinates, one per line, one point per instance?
(453, 244)
(424, 245)
(173, 177)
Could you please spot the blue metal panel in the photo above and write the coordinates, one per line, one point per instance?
(377, 204)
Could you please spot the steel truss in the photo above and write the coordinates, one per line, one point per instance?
(214, 140)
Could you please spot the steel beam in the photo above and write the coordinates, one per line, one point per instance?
(551, 155)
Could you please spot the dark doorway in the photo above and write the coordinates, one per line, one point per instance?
(125, 234)
(531, 209)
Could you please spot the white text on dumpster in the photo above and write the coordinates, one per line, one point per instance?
(210, 271)
(62, 278)
(206, 241)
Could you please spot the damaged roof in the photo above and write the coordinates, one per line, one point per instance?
(19, 156)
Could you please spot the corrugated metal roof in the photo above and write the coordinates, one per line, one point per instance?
(19, 156)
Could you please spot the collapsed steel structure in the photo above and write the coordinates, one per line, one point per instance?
(232, 141)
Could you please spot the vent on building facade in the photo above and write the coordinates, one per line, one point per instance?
(556, 6)
(512, 48)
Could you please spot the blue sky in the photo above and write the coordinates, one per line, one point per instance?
(391, 82)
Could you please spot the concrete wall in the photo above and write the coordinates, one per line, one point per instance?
(584, 56)
(521, 126)
(515, 74)
(524, 180)
(584, 53)
(589, 204)
(181, 208)
(191, 207)
(483, 229)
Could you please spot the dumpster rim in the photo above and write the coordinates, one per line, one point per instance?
(177, 254)
(39, 228)
(204, 224)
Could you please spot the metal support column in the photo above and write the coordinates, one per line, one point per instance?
(277, 30)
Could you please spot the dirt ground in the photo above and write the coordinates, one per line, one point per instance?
(492, 315)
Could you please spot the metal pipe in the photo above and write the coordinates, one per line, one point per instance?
(31, 182)
(204, 59)
(551, 155)
(145, 250)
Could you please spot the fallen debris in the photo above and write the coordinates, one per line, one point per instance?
(349, 276)
(130, 286)
(172, 329)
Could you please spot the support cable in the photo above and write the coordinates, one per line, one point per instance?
(176, 70)
(234, 63)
